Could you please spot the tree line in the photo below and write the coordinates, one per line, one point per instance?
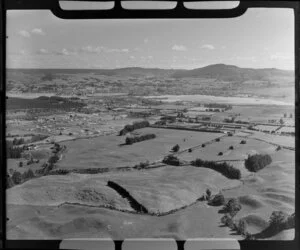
(223, 168)
(134, 139)
(131, 127)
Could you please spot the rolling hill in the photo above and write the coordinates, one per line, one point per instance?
(232, 73)
(216, 71)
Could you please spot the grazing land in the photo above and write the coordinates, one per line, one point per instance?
(71, 173)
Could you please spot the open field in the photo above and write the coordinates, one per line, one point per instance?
(108, 151)
(160, 190)
(71, 221)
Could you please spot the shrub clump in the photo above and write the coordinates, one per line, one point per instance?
(220, 153)
(217, 200)
(241, 227)
(223, 168)
(228, 221)
(232, 207)
(134, 139)
(171, 160)
(231, 147)
(28, 175)
(203, 145)
(176, 148)
(243, 142)
(53, 159)
(136, 125)
(278, 221)
(142, 165)
(257, 162)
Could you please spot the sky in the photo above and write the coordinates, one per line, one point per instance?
(260, 38)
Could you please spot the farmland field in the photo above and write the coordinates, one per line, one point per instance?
(109, 151)
(266, 128)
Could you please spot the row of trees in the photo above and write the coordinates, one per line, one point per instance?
(223, 168)
(136, 125)
(231, 208)
(15, 151)
(257, 162)
(134, 139)
(218, 105)
(18, 178)
(20, 141)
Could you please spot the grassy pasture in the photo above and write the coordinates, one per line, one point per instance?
(288, 141)
(168, 188)
(261, 113)
(108, 151)
(240, 151)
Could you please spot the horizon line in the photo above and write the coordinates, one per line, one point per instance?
(126, 67)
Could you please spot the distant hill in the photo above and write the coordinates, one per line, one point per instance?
(232, 73)
(130, 71)
(221, 72)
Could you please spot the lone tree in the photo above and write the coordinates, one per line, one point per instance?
(217, 200)
(176, 148)
(208, 194)
(16, 177)
(281, 121)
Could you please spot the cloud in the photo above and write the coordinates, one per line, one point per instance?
(146, 40)
(281, 56)
(91, 49)
(125, 50)
(66, 52)
(24, 33)
(43, 51)
(101, 49)
(132, 57)
(38, 31)
(179, 47)
(137, 49)
(207, 46)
